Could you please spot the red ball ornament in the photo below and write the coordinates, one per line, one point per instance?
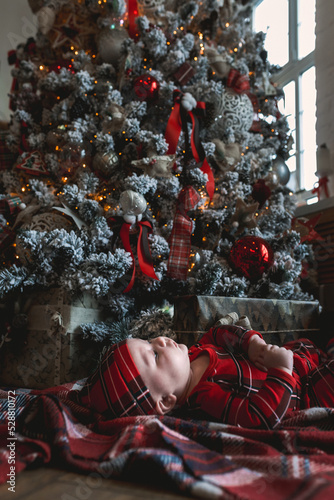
(146, 87)
(251, 256)
(261, 192)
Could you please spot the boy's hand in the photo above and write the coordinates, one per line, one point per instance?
(256, 351)
(278, 357)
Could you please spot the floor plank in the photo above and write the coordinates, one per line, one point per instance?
(45, 483)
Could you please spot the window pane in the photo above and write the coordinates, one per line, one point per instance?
(272, 18)
(306, 27)
(308, 132)
(287, 107)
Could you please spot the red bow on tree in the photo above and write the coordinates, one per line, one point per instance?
(143, 249)
(240, 84)
(178, 121)
(180, 238)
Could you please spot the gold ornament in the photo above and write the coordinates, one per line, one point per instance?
(104, 163)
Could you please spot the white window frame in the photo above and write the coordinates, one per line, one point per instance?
(292, 71)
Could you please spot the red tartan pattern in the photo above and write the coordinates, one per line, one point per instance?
(180, 239)
(116, 388)
(234, 391)
(197, 458)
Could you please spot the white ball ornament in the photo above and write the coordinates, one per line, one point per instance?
(236, 111)
(133, 206)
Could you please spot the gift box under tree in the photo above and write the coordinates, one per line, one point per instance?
(279, 321)
(52, 350)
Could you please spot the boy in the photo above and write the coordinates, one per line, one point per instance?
(231, 374)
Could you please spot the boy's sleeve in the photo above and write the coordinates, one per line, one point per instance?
(231, 337)
(262, 409)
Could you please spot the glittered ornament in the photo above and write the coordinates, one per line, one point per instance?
(133, 205)
(235, 111)
(251, 257)
(146, 87)
(104, 163)
(261, 192)
(80, 108)
(282, 170)
(44, 222)
(109, 44)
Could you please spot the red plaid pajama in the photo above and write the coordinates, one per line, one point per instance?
(234, 391)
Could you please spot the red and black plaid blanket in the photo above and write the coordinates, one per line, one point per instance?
(199, 458)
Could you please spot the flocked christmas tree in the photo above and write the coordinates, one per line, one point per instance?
(150, 157)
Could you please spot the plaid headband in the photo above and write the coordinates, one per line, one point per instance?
(116, 388)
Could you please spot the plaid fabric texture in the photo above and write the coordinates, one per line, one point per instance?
(116, 388)
(236, 392)
(197, 458)
(180, 238)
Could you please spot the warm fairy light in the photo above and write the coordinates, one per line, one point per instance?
(195, 58)
(41, 67)
(227, 25)
(23, 189)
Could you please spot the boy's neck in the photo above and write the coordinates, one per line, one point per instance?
(197, 370)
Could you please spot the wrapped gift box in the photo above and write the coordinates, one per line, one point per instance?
(279, 321)
(53, 351)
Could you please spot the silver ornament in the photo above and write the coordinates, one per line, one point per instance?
(109, 43)
(104, 163)
(236, 111)
(132, 203)
(282, 170)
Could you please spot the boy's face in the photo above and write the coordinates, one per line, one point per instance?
(164, 367)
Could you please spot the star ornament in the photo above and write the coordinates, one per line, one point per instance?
(244, 215)
(71, 29)
(306, 229)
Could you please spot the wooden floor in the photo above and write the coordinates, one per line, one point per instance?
(52, 484)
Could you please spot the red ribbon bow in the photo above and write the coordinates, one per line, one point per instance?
(322, 184)
(180, 238)
(177, 122)
(238, 82)
(143, 250)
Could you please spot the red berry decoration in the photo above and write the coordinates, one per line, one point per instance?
(146, 87)
(261, 192)
(251, 256)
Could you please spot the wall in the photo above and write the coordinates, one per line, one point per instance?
(324, 61)
(17, 23)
